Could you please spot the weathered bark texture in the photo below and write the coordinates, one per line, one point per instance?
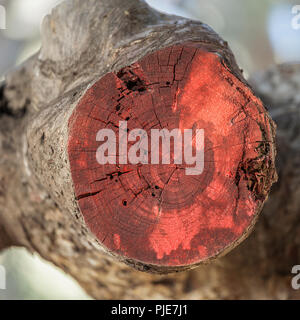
(37, 200)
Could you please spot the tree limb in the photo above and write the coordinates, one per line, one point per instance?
(39, 209)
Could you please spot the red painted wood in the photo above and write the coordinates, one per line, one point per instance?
(156, 213)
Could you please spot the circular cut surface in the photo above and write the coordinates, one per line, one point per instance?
(157, 213)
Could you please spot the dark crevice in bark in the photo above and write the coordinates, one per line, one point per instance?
(5, 108)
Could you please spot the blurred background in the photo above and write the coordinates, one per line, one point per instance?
(260, 33)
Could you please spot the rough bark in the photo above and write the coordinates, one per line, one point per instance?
(39, 98)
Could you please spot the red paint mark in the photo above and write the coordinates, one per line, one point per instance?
(156, 213)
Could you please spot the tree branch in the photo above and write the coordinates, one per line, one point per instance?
(81, 49)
